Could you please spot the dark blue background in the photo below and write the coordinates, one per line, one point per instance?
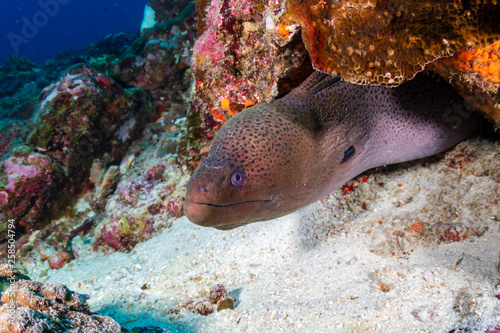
(77, 23)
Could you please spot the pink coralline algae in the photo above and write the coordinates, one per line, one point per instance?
(17, 171)
(145, 200)
(120, 234)
(237, 62)
(128, 191)
(174, 209)
(25, 185)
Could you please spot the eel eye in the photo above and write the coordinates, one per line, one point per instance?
(348, 154)
(237, 178)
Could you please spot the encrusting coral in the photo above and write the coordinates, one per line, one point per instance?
(387, 42)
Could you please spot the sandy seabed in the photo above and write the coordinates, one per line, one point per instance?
(364, 260)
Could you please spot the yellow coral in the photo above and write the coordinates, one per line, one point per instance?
(283, 31)
(225, 104)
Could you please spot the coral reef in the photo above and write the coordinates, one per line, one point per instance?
(21, 82)
(153, 69)
(35, 307)
(161, 16)
(15, 73)
(84, 123)
(149, 193)
(484, 61)
(76, 167)
(10, 130)
(89, 161)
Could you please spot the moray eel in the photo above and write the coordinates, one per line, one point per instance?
(274, 158)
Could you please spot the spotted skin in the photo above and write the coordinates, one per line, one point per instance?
(297, 149)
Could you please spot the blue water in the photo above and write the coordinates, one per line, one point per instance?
(38, 29)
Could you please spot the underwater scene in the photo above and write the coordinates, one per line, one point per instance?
(250, 166)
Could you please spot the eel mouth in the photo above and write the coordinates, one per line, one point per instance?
(227, 216)
(231, 204)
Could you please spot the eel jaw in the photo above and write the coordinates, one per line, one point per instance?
(230, 216)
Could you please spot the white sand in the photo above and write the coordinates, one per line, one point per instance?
(326, 268)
